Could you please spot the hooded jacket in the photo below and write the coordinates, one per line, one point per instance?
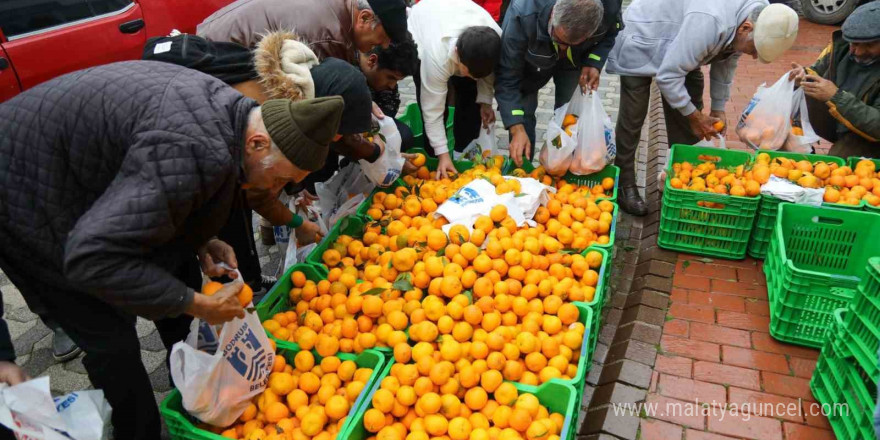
(856, 105)
(529, 56)
(667, 39)
(111, 176)
(327, 25)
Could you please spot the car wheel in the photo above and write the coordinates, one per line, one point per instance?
(828, 11)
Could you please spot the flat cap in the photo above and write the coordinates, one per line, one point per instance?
(862, 25)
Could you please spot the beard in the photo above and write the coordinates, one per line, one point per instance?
(864, 61)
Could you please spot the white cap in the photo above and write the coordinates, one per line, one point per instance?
(775, 31)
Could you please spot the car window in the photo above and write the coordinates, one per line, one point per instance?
(19, 17)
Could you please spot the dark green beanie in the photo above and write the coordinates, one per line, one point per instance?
(303, 129)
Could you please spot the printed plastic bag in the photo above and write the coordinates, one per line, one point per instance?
(802, 136)
(595, 146)
(783, 189)
(481, 147)
(560, 138)
(766, 121)
(217, 387)
(29, 410)
(475, 199)
(386, 169)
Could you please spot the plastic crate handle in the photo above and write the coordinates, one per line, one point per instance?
(828, 220)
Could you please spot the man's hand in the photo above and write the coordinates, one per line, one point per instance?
(519, 144)
(487, 113)
(408, 167)
(11, 374)
(307, 232)
(702, 125)
(818, 88)
(721, 115)
(589, 79)
(445, 168)
(797, 74)
(220, 307)
(377, 112)
(216, 251)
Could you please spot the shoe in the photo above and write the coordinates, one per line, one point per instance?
(631, 202)
(63, 348)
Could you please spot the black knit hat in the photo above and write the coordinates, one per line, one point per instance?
(303, 129)
(392, 14)
(336, 77)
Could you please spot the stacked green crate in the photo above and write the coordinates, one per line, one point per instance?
(814, 264)
(852, 161)
(841, 385)
(717, 225)
(412, 117)
(182, 426)
(768, 208)
(861, 325)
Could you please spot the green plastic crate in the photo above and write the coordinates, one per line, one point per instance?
(352, 225)
(768, 208)
(598, 302)
(861, 327)
(412, 117)
(852, 161)
(838, 380)
(182, 426)
(814, 264)
(588, 180)
(685, 226)
(555, 395)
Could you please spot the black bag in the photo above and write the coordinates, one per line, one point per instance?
(228, 62)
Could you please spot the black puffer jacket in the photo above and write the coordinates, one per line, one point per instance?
(111, 176)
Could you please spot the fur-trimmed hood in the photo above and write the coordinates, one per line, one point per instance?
(283, 66)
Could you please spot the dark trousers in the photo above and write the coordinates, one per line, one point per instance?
(466, 122)
(635, 95)
(112, 350)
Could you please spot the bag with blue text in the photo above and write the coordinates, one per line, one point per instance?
(218, 375)
(386, 169)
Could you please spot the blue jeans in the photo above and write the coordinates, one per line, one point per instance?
(565, 80)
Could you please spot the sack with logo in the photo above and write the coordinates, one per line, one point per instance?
(595, 145)
(560, 138)
(30, 412)
(475, 199)
(218, 386)
(386, 169)
(480, 148)
(766, 121)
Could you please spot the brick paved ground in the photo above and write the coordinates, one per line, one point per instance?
(715, 350)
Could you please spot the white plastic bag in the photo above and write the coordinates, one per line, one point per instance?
(29, 410)
(481, 147)
(386, 169)
(766, 123)
(556, 154)
(800, 121)
(595, 146)
(218, 387)
(337, 194)
(784, 189)
(475, 199)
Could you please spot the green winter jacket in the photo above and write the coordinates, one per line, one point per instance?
(856, 105)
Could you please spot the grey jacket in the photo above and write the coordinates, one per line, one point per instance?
(112, 177)
(667, 39)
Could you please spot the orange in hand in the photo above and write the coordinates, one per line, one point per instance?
(718, 126)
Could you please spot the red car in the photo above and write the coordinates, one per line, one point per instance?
(42, 39)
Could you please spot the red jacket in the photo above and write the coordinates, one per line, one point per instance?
(492, 6)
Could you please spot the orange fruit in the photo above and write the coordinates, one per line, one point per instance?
(498, 213)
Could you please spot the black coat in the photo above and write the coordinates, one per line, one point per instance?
(110, 177)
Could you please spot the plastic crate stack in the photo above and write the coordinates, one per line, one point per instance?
(846, 375)
(815, 261)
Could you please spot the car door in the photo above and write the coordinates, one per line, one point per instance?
(8, 81)
(48, 38)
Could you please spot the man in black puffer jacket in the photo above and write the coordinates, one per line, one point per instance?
(114, 181)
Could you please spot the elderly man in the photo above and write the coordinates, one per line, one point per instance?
(566, 40)
(332, 28)
(843, 86)
(114, 182)
(669, 40)
(459, 44)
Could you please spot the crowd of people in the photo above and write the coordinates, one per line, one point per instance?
(121, 185)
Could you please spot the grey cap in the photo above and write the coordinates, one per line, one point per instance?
(861, 25)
